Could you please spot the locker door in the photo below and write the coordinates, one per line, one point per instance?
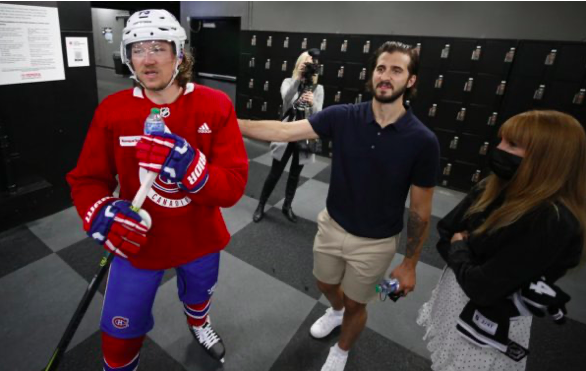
(281, 67)
(426, 84)
(560, 95)
(248, 41)
(349, 96)
(431, 51)
(448, 141)
(530, 59)
(314, 41)
(453, 86)
(570, 63)
(460, 56)
(334, 73)
(257, 107)
(333, 95)
(497, 56)
(473, 149)
(484, 90)
(243, 86)
(421, 108)
(244, 106)
(519, 94)
(268, 65)
(446, 168)
(277, 44)
(290, 44)
(247, 65)
(355, 75)
(448, 115)
(465, 176)
(354, 48)
(367, 49)
(333, 47)
(481, 120)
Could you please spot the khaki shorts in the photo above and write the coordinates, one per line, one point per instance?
(357, 263)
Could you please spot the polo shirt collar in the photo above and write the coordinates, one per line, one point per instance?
(400, 125)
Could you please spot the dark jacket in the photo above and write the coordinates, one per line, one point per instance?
(545, 242)
(493, 268)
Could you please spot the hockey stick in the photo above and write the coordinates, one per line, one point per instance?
(80, 312)
(97, 279)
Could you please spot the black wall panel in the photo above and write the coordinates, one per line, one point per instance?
(44, 125)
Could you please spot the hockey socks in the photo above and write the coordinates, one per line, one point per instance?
(197, 313)
(121, 354)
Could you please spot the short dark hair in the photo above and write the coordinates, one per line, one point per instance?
(391, 47)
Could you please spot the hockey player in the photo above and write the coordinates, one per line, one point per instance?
(202, 166)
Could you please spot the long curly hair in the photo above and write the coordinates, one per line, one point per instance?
(185, 69)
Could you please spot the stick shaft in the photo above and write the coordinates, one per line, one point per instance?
(79, 313)
(144, 189)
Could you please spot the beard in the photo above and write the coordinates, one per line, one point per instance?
(391, 98)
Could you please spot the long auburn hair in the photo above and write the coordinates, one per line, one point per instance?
(185, 73)
(300, 61)
(553, 169)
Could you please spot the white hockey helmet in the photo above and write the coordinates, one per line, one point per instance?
(152, 24)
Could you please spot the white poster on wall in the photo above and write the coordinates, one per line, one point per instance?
(78, 54)
(30, 45)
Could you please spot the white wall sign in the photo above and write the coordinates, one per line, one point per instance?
(77, 51)
(30, 45)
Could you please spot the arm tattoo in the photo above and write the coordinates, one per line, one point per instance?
(415, 231)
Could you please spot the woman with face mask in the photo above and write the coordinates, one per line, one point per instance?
(507, 243)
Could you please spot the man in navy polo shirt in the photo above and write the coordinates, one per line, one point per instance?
(381, 151)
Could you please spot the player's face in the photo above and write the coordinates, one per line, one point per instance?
(390, 77)
(153, 62)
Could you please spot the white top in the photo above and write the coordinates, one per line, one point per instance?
(290, 93)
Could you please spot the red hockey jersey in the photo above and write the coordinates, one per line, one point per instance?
(185, 226)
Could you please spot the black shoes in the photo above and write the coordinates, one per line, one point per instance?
(209, 340)
(288, 212)
(259, 213)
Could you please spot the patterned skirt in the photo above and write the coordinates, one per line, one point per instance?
(449, 350)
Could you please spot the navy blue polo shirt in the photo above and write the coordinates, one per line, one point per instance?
(373, 168)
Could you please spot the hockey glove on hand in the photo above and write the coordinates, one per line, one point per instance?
(112, 223)
(174, 159)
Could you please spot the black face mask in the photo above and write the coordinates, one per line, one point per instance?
(504, 164)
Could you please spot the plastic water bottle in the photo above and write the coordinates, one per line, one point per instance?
(388, 287)
(154, 122)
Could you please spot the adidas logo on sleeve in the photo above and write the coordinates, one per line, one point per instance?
(204, 129)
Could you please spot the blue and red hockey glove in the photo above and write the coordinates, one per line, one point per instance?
(112, 223)
(174, 159)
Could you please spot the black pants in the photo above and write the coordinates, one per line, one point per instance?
(277, 169)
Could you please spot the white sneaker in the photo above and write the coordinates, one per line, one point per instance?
(326, 324)
(336, 360)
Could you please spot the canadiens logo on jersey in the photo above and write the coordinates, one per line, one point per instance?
(120, 322)
(165, 194)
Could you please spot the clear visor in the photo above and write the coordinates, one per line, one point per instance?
(156, 48)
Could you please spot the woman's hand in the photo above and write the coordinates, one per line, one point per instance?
(308, 98)
(459, 236)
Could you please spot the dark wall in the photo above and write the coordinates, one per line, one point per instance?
(132, 6)
(44, 125)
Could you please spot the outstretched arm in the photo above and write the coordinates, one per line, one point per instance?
(277, 131)
(417, 232)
